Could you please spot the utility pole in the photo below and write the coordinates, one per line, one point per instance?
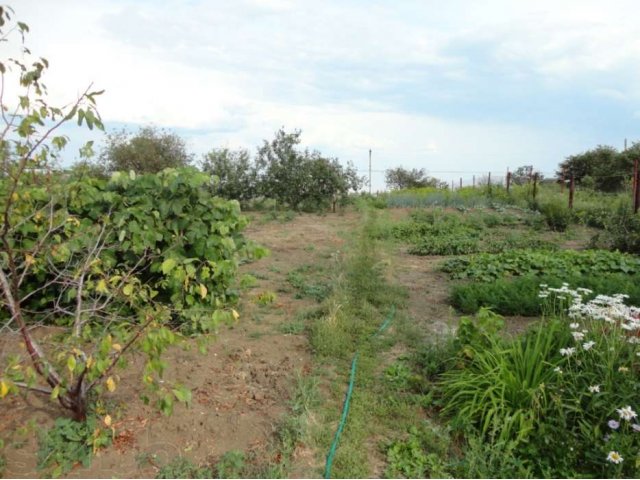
(625, 144)
(636, 193)
(369, 171)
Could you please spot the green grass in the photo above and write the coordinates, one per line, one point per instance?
(384, 404)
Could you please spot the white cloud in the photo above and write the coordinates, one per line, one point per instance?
(347, 73)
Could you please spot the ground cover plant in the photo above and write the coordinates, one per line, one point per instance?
(561, 399)
(520, 295)
(436, 232)
(489, 267)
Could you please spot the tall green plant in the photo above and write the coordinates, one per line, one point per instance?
(113, 264)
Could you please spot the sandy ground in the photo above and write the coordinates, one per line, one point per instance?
(241, 387)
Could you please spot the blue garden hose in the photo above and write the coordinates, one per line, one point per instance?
(347, 399)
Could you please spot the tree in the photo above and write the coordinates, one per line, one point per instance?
(113, 264)
(28, 235)
(524, 174)
(603, 167)
(327, 181)
(294, 177)
(400, 178)
(279, 164)
(150, 150)
(236, 173)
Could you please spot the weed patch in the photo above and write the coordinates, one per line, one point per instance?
(69, 443)
(182, 467)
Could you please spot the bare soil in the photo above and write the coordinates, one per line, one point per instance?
(241, 387)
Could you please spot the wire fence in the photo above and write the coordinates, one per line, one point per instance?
(567, 182)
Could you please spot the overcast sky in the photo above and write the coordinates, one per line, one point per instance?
(449, 86)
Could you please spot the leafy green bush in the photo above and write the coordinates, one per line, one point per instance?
(70, 442)
(489, 267)
(189, 242)
(520, 295)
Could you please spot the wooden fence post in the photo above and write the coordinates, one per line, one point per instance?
(534, 192)
(571, 191)
(508, 180)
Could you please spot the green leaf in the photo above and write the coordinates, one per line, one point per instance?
(182, 394)
(128, 289)
(168, 265)
(55, 393)
(71, 363)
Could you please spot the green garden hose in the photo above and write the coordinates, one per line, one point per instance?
(347, 399)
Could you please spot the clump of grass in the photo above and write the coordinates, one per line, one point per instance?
(183, 467)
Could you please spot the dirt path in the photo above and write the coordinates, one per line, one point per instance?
(241, 387)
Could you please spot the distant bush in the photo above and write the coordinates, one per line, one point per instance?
(621, 231)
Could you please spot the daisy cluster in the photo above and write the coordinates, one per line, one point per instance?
(607, 308)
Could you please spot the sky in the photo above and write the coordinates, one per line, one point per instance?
(459, 88)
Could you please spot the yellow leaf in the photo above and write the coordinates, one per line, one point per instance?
(55, 393)
(4, 389)
(90, 362)
(203, 291)
(128, 290)
(101, 287)
(111, 384)
(29, 260)
(117, 347)
(107, 420)
(15, 196)
(235, 314)
(71, 363)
